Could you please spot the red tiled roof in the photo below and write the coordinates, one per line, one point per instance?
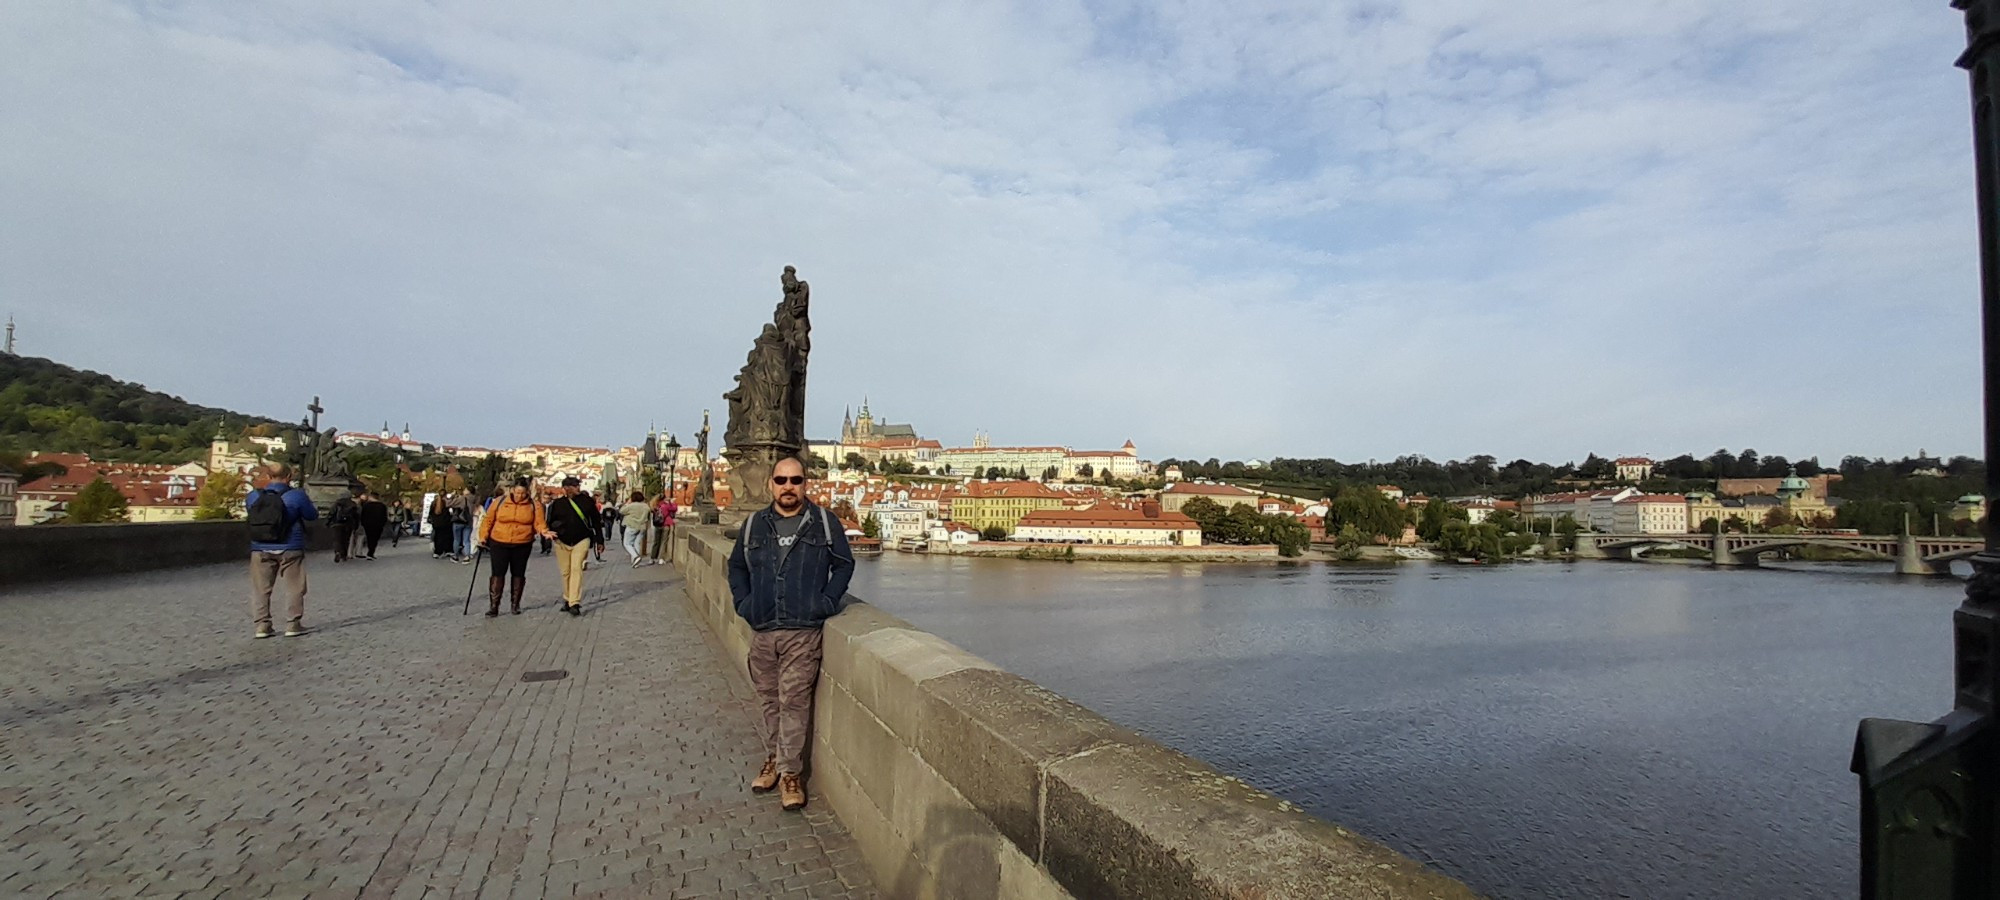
(1017, 489)
(1104, 516)
(1208, 490)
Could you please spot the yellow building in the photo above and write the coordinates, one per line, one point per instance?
(1003, 503)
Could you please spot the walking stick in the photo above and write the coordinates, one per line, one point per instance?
(475, 580)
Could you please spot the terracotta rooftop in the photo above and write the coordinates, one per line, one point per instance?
(1207, 490)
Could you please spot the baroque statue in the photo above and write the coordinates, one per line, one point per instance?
(704, 488)
(767, 408)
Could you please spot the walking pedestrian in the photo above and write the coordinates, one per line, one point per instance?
(604, 518)
(278, 514)
(463, 509)
(663, 524)
(440, 519)
(573, 521)
(507, 532)
(788, 574)
(344, 517)
(374, 518)
(638, 519)
(399, 519)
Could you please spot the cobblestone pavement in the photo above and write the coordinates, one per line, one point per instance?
(150, 747)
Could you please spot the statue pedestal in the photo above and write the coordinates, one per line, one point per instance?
(324, 492)
(750, 478)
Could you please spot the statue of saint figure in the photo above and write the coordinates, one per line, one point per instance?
(768, 404)
(704, 492)
(331, 461)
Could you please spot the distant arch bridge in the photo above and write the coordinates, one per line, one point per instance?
(1913, 555)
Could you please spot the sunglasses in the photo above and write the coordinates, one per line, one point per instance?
(788, 479)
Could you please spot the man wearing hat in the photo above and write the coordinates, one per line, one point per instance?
(575, 520)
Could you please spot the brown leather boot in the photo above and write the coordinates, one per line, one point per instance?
(791, 791)
(520, 586)
(493, 586)
(767, 777)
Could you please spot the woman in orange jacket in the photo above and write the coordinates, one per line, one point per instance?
(508, 532)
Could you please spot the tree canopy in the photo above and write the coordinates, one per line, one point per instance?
(50, 407)
(97, 502)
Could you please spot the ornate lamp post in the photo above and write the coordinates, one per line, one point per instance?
(1928, 792)
(670, 460)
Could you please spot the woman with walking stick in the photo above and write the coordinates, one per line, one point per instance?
(508, 533)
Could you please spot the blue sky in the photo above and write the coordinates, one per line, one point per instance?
(1249, 229)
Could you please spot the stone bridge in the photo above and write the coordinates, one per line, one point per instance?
(1913, 555)
(149, 746)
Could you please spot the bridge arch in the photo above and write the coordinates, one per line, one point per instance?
(1760, 547)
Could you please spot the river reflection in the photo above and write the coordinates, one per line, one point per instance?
(1541, 730)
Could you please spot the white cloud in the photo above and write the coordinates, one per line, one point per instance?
(1246, 229)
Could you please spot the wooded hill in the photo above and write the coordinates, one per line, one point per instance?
(47, 406)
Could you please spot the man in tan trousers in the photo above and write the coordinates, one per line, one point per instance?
(278, 514)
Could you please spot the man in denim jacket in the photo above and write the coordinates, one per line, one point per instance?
(788, 574)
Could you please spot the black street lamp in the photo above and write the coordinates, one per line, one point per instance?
(1928, 795)
(671, 460)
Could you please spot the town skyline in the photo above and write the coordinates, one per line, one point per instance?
(629, 436)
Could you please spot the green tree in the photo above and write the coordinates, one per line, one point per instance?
(221, 495)
(98, 502)
(1085, 471)
(1709, 525)
(1462, 538)
(1365, 508)
(1436, 514)
(1242, 525)
(1205, 513)
(870, 527)
(486, 474)
(1291, 535)
(1566, 528)
(993, 533)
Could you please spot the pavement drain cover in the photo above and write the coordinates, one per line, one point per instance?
(545, 675)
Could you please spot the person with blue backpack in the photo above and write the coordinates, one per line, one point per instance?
(278, 514)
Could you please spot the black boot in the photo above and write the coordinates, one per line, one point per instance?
(493, 586)
(520, 586)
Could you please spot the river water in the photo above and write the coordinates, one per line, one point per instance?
(1587, 730)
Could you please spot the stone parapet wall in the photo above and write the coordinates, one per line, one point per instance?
(55, 552)
(958, 779)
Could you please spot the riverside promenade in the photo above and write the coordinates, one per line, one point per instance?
(150, 747)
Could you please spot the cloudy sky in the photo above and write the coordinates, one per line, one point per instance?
(1254, 228)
